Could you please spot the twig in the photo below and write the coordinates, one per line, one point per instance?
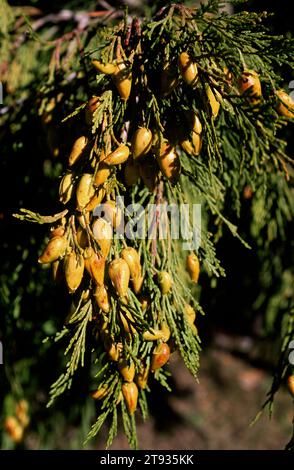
(38, 218)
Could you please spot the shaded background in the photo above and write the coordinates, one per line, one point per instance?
(238, 357)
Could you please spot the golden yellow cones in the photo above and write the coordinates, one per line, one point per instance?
(102, 174)
(108, 69)
(54, 250)
(160, 356)
(165, 282)
(250, 83)
(57, 231)
(169, 161)
(84, 219)
(142, 378)
(193, 267)
(100, 393)
(165, 329)
(102, 232)
(144, 303)
(127, 370)
(112, 213)
(119, 274)
(118, 156)
(96, 200)
(286, 104)
(290, 383)
(127, 321)
(192, 144)
(141, 142)
(188, 69)
(132, 258)
(102, 298)
(21, 412)
(13, 429)
(130, 394)
(190, 314)
(214, 98)
(85, 191)
(77, 150)
(121, 75)
(95, 265)
(66, 187)
(122, 78)
(73, 270)
(153, 335)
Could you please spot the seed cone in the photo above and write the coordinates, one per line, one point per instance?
(132, 258)
(118, 156)
(127, 321)
(102, 298)
(85, 191)
(122, 78)
(55, 249)
(160, 356)
(112, 348)
(130, 394)
(100, 393)
(21, 412)
(190, 314)
(77, 150)
(165, 329)
(102, 174)
(250, 83)
(112, 213)
(57, 232)
(169, 162)
(193, 267)
(13, 429)
(192, 143)
(286, 104)
(96, 200)
(142, 378)
(214, 98)
(22, 407)
(74, 270)
(127, 370)
(119, 274)
(95, 265)
(108, 69)
(114, 351)
(153, 335)
(84, 219)
(290, 383)
(141, 142)
(66, 188)
(165, 282)
(102, 232)
(188, 69)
